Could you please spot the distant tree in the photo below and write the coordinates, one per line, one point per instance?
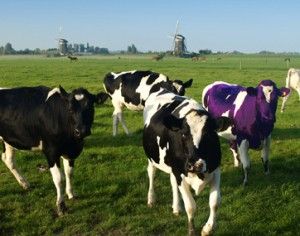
(132, 49)
(129, 49)
(37, 51)
(205, 52)
(81, 47)
(8, 49)
(1, 50)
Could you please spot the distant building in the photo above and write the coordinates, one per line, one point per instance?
(63, 46)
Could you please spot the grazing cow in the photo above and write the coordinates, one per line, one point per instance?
(50, 120)
(292, 82)
(253, 113)
(72, 58)
(131, 88)
(180, 139)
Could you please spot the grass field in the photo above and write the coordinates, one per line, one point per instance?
(110, 176)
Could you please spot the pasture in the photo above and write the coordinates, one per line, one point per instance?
(110, 177)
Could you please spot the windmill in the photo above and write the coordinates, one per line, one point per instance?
(178, 45)
(62, 43)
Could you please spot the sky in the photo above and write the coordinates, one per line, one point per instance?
(243, 25)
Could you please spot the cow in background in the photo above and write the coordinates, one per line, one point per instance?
(180, 139)
(132, 88)
(253, 113)
(292, 82)
(50, 120)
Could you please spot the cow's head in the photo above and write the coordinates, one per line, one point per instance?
(267, 95)
(80, 105)
(180, 86)
(199, 141)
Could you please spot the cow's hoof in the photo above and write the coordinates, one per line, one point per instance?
(267, 172)
(207, 230)
(61, 209)
(25, 185)
(176, 213)
(150, 204)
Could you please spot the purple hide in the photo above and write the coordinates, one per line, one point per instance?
(252, 109)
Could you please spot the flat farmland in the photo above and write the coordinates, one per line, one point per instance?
(110, 176)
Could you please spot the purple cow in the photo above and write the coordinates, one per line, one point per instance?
(253, 113)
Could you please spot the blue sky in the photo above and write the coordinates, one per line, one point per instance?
(247, 26)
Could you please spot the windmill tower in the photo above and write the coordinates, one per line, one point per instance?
(62, 43)
(178, 46)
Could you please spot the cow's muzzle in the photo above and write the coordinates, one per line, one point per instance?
(198, 167)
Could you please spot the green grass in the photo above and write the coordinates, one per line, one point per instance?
(110, 175)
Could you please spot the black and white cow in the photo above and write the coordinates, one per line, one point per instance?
(50, 120)
(131, 89)
(180, 138)
(292, 82)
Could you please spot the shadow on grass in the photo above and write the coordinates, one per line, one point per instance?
(286, 133)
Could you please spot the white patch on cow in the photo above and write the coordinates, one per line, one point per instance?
(177, 86)
(154, 102)
(228, 96)
(227, 134)
(196, 124)
(39, 147)
(57, 178)
(143, 89)
(239, 101)
(79, 97)
(267, 90)
(201, 162)
(193, 105)
(53, 91)
(162, 154)
(122, 73)
(226, 113)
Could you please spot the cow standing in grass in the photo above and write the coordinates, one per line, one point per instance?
(132, 88)
(292, 82)
(50, 120)
(180, 139)
(253, 113)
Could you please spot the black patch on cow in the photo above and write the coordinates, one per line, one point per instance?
(153, 76)
(111, 83)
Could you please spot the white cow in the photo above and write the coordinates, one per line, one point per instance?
(292, 82)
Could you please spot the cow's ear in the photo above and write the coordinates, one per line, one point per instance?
(252, 91)
(188, 83)
(173, 123)
(100, 97)
(223, 123)
(283, 92)
(62, 91)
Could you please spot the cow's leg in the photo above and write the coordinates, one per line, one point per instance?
(233, 148)
(121, 119)
(68, 169)
(189, 205)
(298, 91)
(214, 202)
(151, 174)
(284, 100)
(243, 152)
(57, 179)
(8, 158)
(176, 197)
(265, 154)
(118, 116)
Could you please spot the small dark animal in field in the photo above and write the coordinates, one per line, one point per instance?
(72, 58)
(196, 58)
(158, 57)
(219, 59)
(287, 59)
